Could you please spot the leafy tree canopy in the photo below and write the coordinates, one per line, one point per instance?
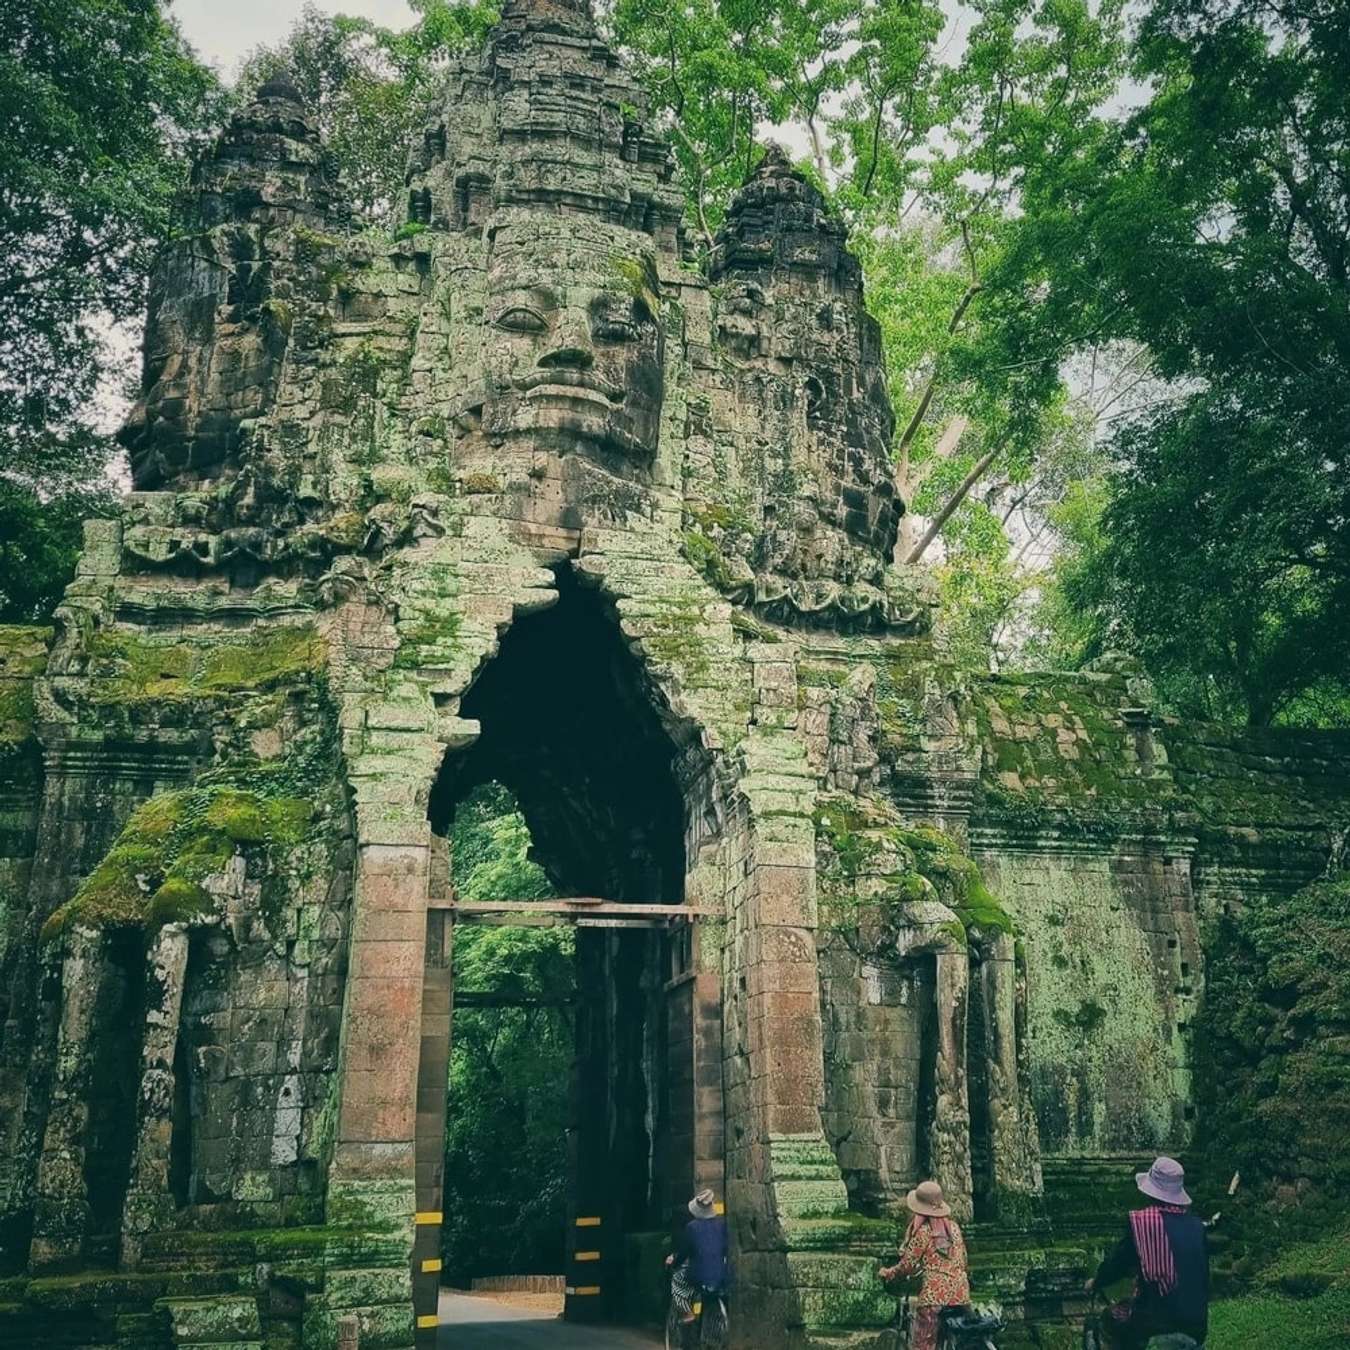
(102, 107)
(1212, 225)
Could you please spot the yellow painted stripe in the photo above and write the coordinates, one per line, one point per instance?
(427, 1216)
(430, 1264)
(588, 1223)
(585, 1256)
(719, 1208)
(429, 1320)
(583, 1289)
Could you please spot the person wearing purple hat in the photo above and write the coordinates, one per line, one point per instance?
(1166, 1249)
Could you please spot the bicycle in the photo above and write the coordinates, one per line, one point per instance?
(708, 1330)
(1093, 1338)
(962, 1328)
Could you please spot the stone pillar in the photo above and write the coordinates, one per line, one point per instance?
(61, 1215)
(149, 1203)
(693, 1056)
(374, 1156)
(1015, 1155)
(782, 1168)
(433, 1074)
(949, 1134)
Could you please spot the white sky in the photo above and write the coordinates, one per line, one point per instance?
(224, 31)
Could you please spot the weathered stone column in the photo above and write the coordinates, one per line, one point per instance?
(949, 1135)
(61, 1215)
(149, 1203)
(374, 1156)
(1015, 1156)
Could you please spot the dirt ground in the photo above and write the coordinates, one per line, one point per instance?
(540, 1303)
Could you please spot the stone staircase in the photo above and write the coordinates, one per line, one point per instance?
(1035, 1277)
(265, 1289)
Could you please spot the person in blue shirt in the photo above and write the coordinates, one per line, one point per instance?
(700, 1258)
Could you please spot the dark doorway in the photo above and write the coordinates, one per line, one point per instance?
(571, 733)
(569, 727)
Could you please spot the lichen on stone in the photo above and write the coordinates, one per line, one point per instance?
(23, 655)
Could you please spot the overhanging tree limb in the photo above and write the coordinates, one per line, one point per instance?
(977, 472)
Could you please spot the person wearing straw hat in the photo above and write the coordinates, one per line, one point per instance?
(934, 1249)
(700, 1258)
(1165, 1248)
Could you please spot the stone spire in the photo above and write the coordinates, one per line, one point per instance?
(572, 17)
(778, 218)
(268, 167)
(792, 318)
(545, 118)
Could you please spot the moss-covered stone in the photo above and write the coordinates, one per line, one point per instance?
(126, 668)
(152, 875)
(23, 656)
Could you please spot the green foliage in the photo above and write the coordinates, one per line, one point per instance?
(40, 539)
(102, 107)
(1209, 225)
(1272, 1040)
(506, 1157)
(371, 88)
(714, 70)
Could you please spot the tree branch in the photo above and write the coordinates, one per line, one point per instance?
(962, 492)
(926, 398)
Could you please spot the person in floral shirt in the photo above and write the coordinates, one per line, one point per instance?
(934, 1249)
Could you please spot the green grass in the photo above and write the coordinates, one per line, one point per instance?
(1277, 1322)
(1301, 1301)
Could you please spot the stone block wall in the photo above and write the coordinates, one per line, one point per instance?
(1111, 833)
(879, 1021)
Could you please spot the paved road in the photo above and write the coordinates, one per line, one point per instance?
(480, 1324)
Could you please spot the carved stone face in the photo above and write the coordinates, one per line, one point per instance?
(574, 347)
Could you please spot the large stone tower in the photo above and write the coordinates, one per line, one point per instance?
(524, 493)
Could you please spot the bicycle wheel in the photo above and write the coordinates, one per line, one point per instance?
(678, 1331)
(674, 1328)
(713, 1328)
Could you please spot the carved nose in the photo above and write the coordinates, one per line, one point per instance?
(572, 351)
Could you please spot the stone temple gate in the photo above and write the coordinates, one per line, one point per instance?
(527, 492)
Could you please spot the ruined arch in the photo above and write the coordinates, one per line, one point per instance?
(568, 717)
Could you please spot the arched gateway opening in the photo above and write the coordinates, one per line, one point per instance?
(572, 730)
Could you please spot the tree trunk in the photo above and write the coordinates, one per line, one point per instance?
(962, 492)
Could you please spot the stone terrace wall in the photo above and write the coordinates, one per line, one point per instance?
(1111, 833)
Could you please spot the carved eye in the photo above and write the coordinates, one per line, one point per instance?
(614, 323)
(521, 319)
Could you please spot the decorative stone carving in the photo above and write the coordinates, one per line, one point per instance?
(220, 311)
